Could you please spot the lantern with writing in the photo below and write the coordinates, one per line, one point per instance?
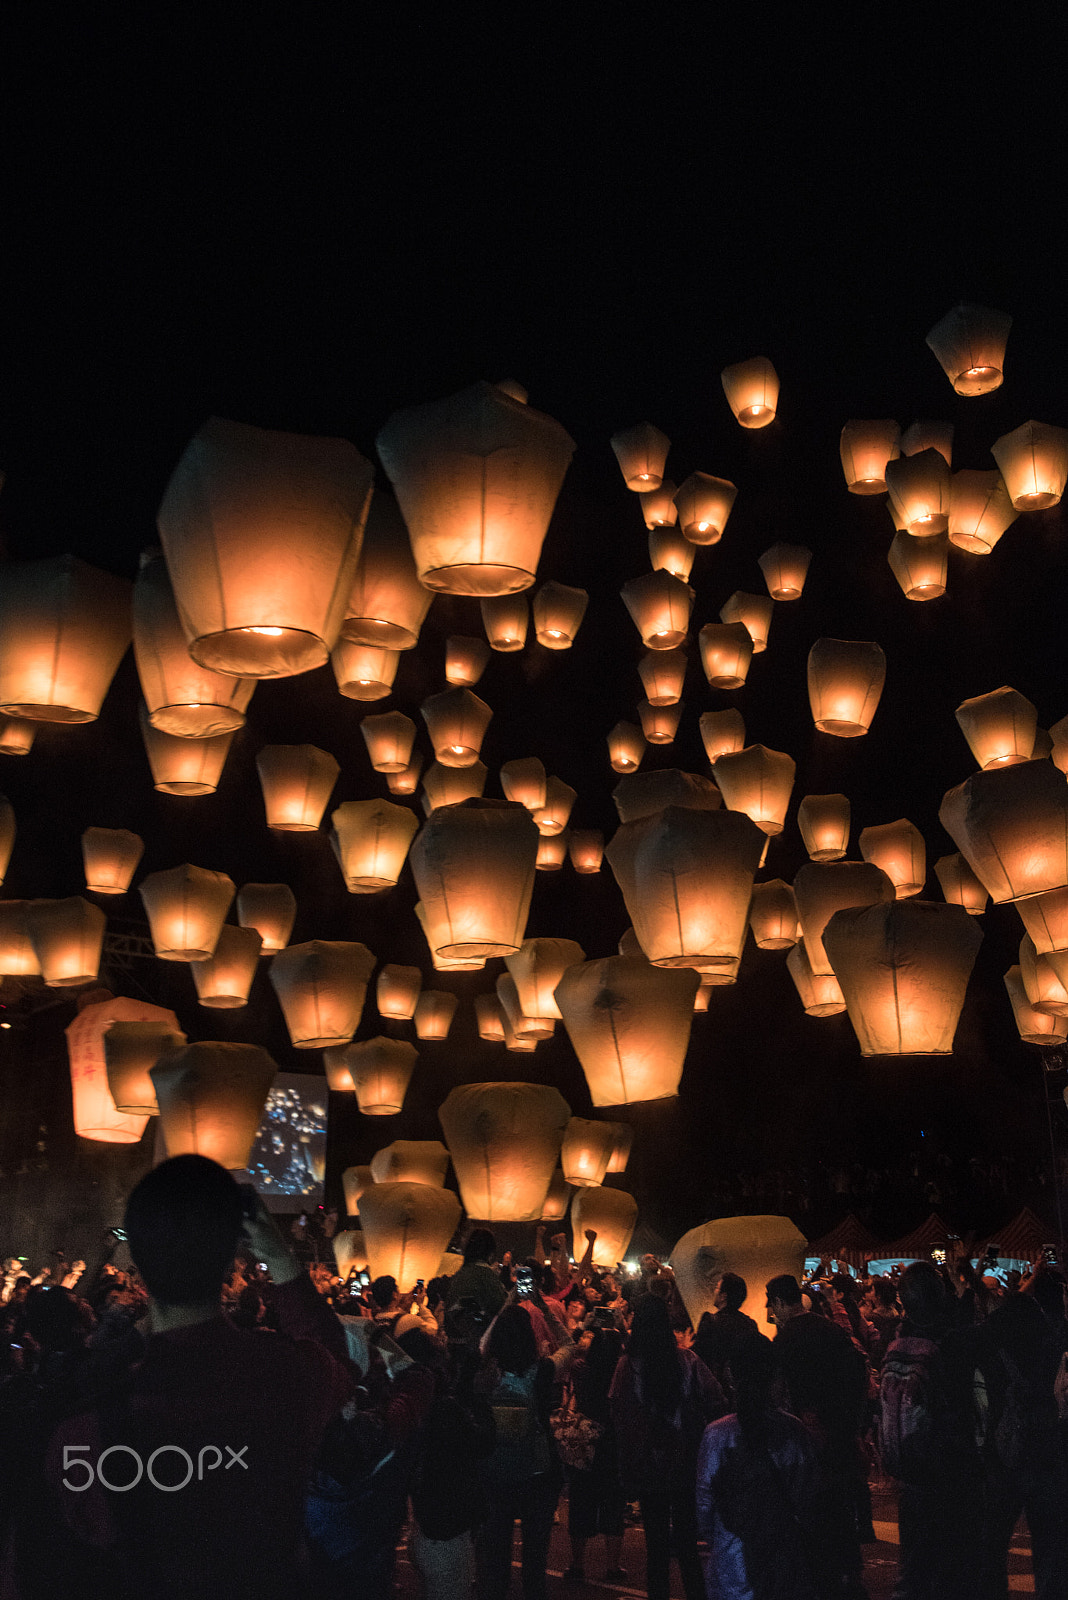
(662, 673)
(865, 449)
(658, 507)
(183, 766)
(505, 619)
(397, 991)
(558, 613)
(785, 568)
(612, 1215)
(821, 996)
(504, 1139)
(186, 908)
(321, 988)
(641, 452)
(1034, 1027)
(554, 1207)
(524, 781)
(386, 604)
(536, 969)
(670, 551)
(17, 956)
(969, 345)
(211, 1098)
(182, 697)
(488, 1018)
(296, 780)
(758, 782)
(95, 1113)
(586, 849)
(726, 651)
(960, 886)
(381, 1070)
(773, 915)
(406, 1227)
(64, 628)
(660, 607)
(354, 1180)
(270, 908)
(553, 816)
(629, 1024)
(845, 682)
(363, 671)
(447, 786)
(389, 739)
(824, 823)
(919, 491)
(626, 747)
(1000, 727)
(67, 938)
(1011, 825)
(722, 733)
(898, 849)
(350, 1252)
(411, 1161)
(474, 868)
(224, 980)
(979, 511)
(370, 839)
(755, 1249)
(465, 659)
(752, 390)
(754, 612)
(131, 1050)
(110, 856)
(704, 504)
(1043, 978)
(822, 888)
(1034, 464)
(920, 565)
(457, 721)
(434, 1011)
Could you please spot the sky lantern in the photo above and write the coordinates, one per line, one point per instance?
(211, 1098)
(18, 959)
(465, 659)
(536, 968)
(623, 1140)
(354, 1180)
(612, 1215)
(979, 511)
(474, 865)
(350, 1252)
(461, 963)
(396, 992)
(752, 390)
(389, 738)
(67, 938)
(929, 435)
(262, 532)
(754, 612)
(370, 839)
(919, 491)
(1045, 916)
(406, 1227)
(626, 747)
(704, 504)
(642, 453)
(64, 628)
(434, 1011)
(447, 786)
(296, 780)
(225, 979)
(969, 345)
(756, 1249)
(960, 886)
(773, 915)
(660, 606)
(387, 604)
(95, 1113)
(183, 766)
(824, 822)
(1034, 464)
(555, 814)
(920, 565)
(131, 1050)
(658, 506)
(457, 721)
(489, 1019)
(504, 1139)
(586, 849)
(670, 552)
(821, 996)
(411, 1161)
(554, 1207)
(520, 1031)
(663, 673)
(822, 888)
(363, 671)
(1043, 747)
(1034, 1027)
(629, 1024)
(186, 908)
(759, 782)
(552, 852)
(338, 1072)
(845, 683)
(16, 736)
(270, 908)
(659, 723)
(7, 834)
(1042, 979)
(904, 968)
(726, 651)
(505, 619)
(865, 449)
(476, 477)
(110, 856)
(643, 794)
(524, 781)
(182, 697)
(321, 988)
(406, 781)
(1011, 826)
(1000, 727)
(722, 733)
(785, 568)
(558, 613)
(381, 1070)
(898, 849)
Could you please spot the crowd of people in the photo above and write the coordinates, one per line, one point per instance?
(223, 1419)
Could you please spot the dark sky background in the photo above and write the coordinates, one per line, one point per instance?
(306, 217)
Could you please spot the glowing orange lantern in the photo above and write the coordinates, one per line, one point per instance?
(920, 565)
(586, 848)
(95, 1112)
(17, 956)
(552, 852)
(271, 909)
(131, 1050)
(363, 671)
(397, 991)
(612, 1215)
(722, 732)
(845, 683)
(752, 390)
(468, 963)
(370, 839)
(1042, 979)
(465, 659)
(434, 1011)
(182, 697)
(641, 452)
(660, 723)
(387, 604)
(898, 849)
(447, 786)
(504, 1139)
(321, 987)
(224, 980)
(821, 996)
(822, 888)
(110, 856)
(505, 619)
(558, 614)
(489, 1018)
(643, 794)
(626, 747)
(919, 491)
(211, 1098)
(1034, 464)
(969, 345)
(457, 721)
(354, 1181)
(67, 938)
(536, 969)
(670, 551)
(474, 869)
(960, 886)
(1045, 916)
(758, 782)
(629, 1024)
(406, 1227)
(704, 504)
(296, 780)
(183, 766)
(411, 1161)
(623, 1135)
(64, 628)
(16, 736)
(726, 651)
(1000, 727)
(350, 1252)
(523, 1028)
(1011, 825)
(407, 780)
(824, 823)
(754, 1248)
(338, 1075)
(1034, 1027)
(660, 607)
(785, 568)
(979, 511)
(866, 448)
(658, 506)
(553, 816)
(186, 908)
(389, 739)
(556, 1202)
(381, 1070)
(773, 915)
(524, 781)
(662, 673)
(754, 612)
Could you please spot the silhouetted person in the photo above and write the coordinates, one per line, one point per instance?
(719, 1335)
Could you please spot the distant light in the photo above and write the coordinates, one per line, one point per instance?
(5, 1024)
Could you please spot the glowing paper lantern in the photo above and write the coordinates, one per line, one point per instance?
(754, 612)
(7, 834)
(759, 782)
(821, 996)
(554, 815)
(824, 823)
(465, 659)
(752, 390)
(612, 1214)
(64, 628)
(586, 849)
(110, 856)
(338, 1075)
(389, 739)
(529, 1029)
(554, 1207)
(643, 794)
(1000, 727)
(504, 1139)
(757, 1249)
(722, 733)
(370, 839)
(558, 614)
(822, 888)
(929, 436)
(468, 963)
(960, 885)
(397, 991)
(641, 452)
(387, 604)
(979, 511)
(1042, 979)
(411, 1161)
(660, 607)
(224, 980)
(865, 449)
(18, 959)
(271, 909)
(296, 780)
(919, 491)
(476, 476)
(131, 1050)
(773, 915)
(1011, 825)
(488, 1018)
(457, 721)
(183, 766)
(474, 869)
(785, 568)
(536, 969)
(898, 849)
(660, 723)
(1034, 464)
(670, 552)
(505, 620)
(16, 736)
(726, 651)
(321, 988)
(662, 673)
(350, 1251)
(363, 671)
(586, 1151)
(1045, 916)
(434, 1011)
(552, 852)
(1034, 1027)
(447, 786)
(658, 506)
(626, 747)
(704, 504)
(354, 1180)
(920, 565)
(95, 1113)
(407, 780)
(381, 1070)
(524, 781)
(845, 683)
(186, 908)
(406, 1227)
(969, 346)
(211, 1098)
(629, 1024)
(67, 938)
(182, 698)
(262, 533)
(623, 1135)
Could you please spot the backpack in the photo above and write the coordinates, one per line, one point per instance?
(522, 1449)
(908, 1393)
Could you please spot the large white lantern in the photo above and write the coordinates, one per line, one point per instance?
(211, 1098)
(370, 839)
(1011, 825)
(1034, 464)
(611, 1214)
(321, 987)
(969, 345)
(474, 867)
(406, 1228)
(182, 697)
(756, 1249)
(641, 452)
(822, 888)
(845, 683)
(387, 603)
(64, 628)
(505, 1140)
(95, 1112)
(629, 1024)
(186, 908)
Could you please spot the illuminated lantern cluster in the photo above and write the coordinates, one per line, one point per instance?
(370, 839)
(785, 568)
(270, 908)
(181, 697)
(406, 1227)
(1011, 825)
(96, 1115)
(296, 780)
(752, 390)
(64, 628)
(612, 1215)
(1043, 978)
(898, 849)
(629, 1024)
(1000, 727)
(1034, 1027)
(756, 1249)
(536, 969)
(865, 449)
(474, 869)
(845, 683)
(969, 345)
(504, 1140)
(641, 452)
(704, 504)
(321, 987)
(387, 604)
(211, 1098)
